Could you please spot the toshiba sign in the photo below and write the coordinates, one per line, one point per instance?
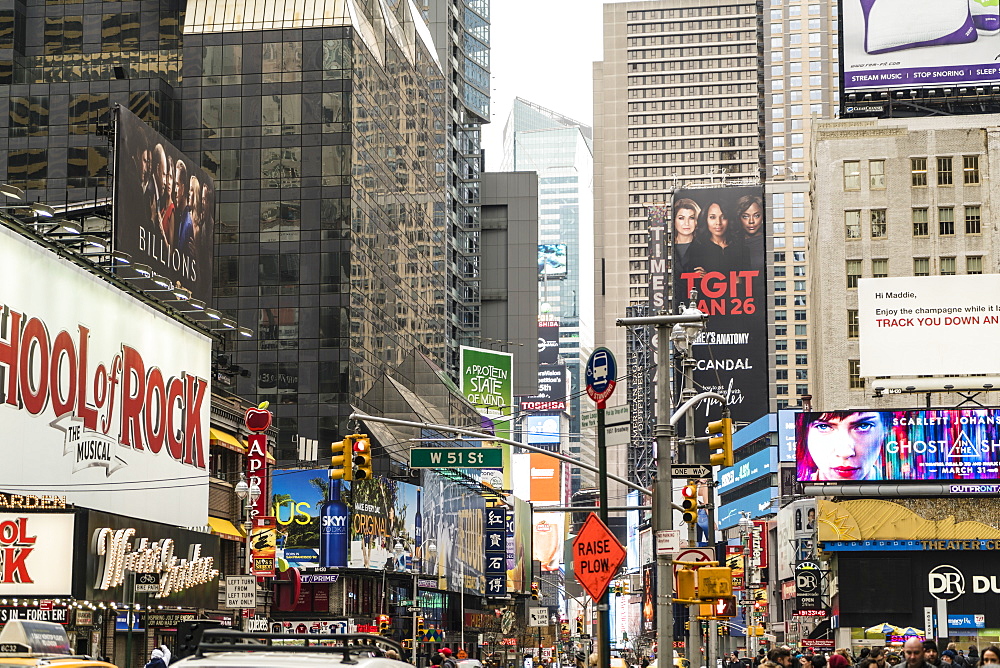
(36, 554)
(102, 398)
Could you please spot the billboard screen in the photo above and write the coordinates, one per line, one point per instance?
(487, 382)
(548, 341)
(551, 390)
(86, 380)
(929, 325)
(718, 248)
(164, 207)
(542, 430)
(918, 43)
(551, 260)
(454, 524)
(920, 445)
(547, 548)
(546, 478)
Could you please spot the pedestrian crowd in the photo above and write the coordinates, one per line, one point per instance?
(915, 653)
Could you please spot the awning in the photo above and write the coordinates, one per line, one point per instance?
(219, 437)
(225, 528)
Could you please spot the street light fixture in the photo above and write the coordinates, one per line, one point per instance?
(248, 494)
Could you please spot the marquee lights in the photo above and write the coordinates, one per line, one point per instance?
(176, 574)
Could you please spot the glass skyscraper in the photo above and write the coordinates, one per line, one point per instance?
(325, 126)
(560, 150)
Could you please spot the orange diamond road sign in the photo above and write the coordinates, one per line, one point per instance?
(597, 554)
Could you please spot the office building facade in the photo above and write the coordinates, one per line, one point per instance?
(325, 130)
(559, 150)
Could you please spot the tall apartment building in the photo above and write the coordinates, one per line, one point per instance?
(897, 197)
(801, 76)
(560, 150)
(677, 103)
(344, 154)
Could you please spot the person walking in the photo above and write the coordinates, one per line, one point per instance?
(914, 654)
(156, 659)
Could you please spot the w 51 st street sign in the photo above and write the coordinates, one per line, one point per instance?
(461, 458)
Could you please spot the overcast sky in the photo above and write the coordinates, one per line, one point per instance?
(542, 51)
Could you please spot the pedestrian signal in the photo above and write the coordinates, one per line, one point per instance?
(715, 582)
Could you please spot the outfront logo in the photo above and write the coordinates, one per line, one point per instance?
(945, 582)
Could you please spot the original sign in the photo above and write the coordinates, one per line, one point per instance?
(597, 554)
(36, 551)
(241, 591)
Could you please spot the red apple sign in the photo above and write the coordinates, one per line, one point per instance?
(259, 418)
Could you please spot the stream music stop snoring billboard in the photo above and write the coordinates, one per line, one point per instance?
(719, 249)
(929, 325)
(919, 43)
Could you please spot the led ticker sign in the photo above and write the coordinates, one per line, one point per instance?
(898, 445)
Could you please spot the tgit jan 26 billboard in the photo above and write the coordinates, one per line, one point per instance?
(101, 396)
(164, 207)
(718, 249)
(929, 325)
(919, 43)
(900, 445)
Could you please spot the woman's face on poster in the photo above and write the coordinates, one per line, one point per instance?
(716, 221)
(752, 219)
(848, 447)
(685, 222)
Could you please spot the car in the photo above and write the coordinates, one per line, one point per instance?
(30, 643)
(200, 647)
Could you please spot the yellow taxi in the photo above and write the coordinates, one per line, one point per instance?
(29, 644)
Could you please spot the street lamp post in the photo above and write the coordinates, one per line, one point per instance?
(248, 494)
(745, 525)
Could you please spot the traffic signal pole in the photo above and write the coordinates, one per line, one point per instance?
(603, 605)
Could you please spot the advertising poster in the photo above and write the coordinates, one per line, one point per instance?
(86, 380)
(371, 534)
(796, 533)
(552, 394)
(929, 325)
(546, 479)
(39, 548)
(297, 496)
(487, 383)
(925, 43)
(263, 544)
(918, 445)
(718, 250)
(549, 536)
(649, 598)
(164, 207)
(548, 341)
(551, 261)
(519, 552)
(541, 430)
(453, 534)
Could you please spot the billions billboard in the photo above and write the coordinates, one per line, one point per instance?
(918, 43)
(952, 321)
(946, 445)
(164, 207)
(86, 379)
(718, 245)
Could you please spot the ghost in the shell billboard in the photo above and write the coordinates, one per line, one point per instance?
(164, 207)
(886, 446)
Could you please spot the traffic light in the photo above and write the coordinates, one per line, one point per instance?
(579, 625)
(715, 582)
(685, 584)
(408, 643)
(564, 629)
(724, 607)
(720, 437)
(383, 625)
(624, 587)
(341, 461)
(362, 457)
(687, 626)
(689, 505)
(535, 591)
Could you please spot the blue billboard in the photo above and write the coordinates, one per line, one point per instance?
(760, 464)
(757, 504)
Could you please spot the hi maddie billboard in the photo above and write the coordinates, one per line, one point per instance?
(718, 248)
(919, 445)
(929, 325)
(164, 206)
(102, 397)
(919, 43)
